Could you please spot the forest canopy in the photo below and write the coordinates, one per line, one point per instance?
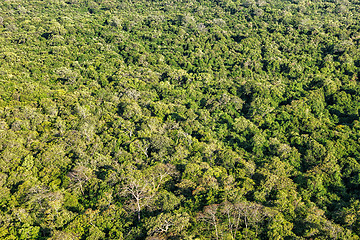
(190, 119)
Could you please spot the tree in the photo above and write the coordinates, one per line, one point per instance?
(80, 175)
(168, 224)
(209, 216)
(142, 186)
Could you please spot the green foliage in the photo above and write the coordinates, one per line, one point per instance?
(179, 119)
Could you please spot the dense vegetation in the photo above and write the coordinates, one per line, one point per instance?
(179, 119)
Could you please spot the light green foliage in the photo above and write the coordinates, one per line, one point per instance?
(179, 119)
